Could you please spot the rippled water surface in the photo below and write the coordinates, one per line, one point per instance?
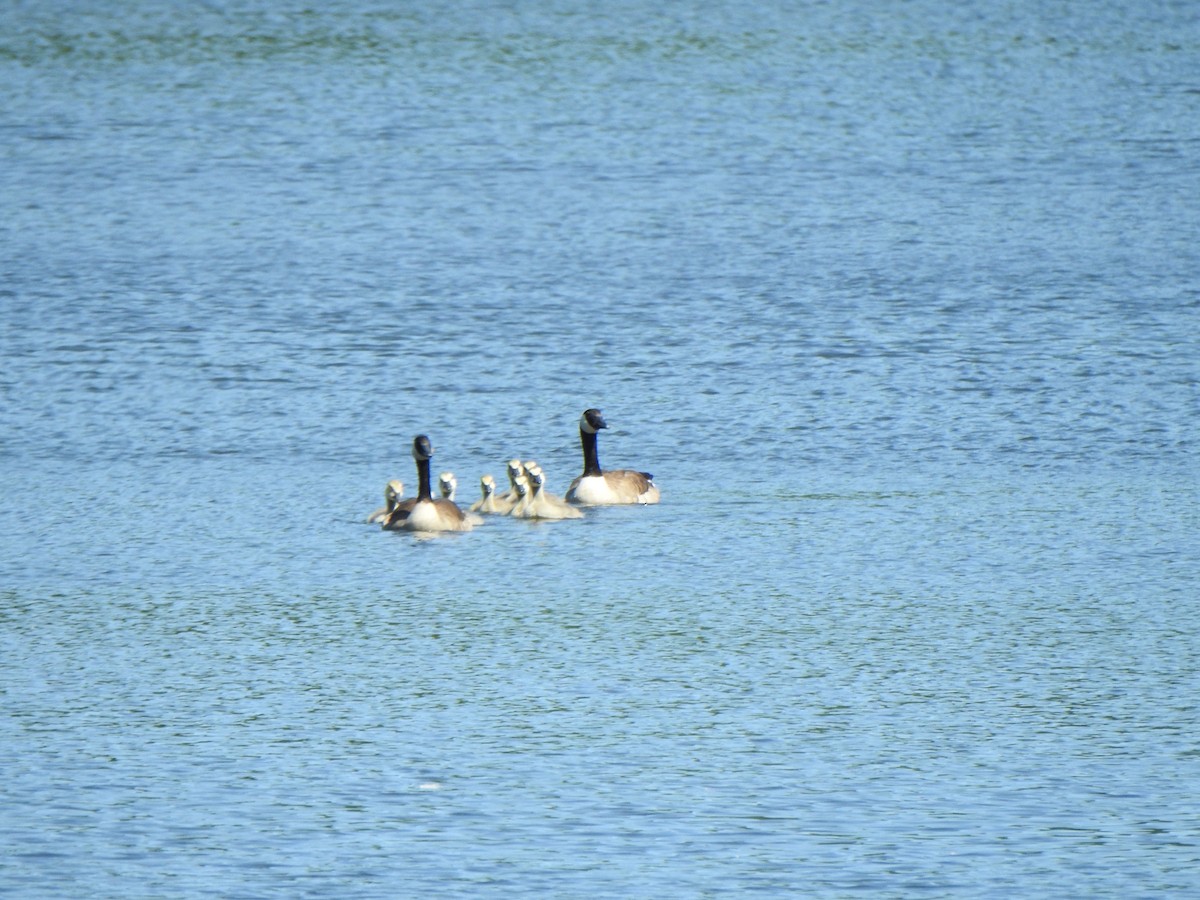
(897, 301)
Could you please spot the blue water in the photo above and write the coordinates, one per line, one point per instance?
(899, 302)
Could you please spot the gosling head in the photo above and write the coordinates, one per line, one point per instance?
(515, 470)
(537, 479)
(393, 491)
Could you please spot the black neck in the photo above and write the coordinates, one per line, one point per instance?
(423, 491)
(591, 456)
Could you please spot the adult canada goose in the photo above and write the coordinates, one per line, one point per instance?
(596, 487)
(486, 503)
(541, 504)
(447, 484)
(391, 497)
(424, 513)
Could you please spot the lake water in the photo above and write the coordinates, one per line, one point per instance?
(900, 303)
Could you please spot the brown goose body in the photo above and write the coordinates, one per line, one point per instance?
(540, 503)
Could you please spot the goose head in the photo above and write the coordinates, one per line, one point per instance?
(592, 421)
(422, 448)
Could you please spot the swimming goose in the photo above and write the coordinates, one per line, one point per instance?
(486, 503)
(506, 501)
(424, 513)
(391, 497)
(596, 487)
(521, 489)
(542, 504)
(447, 484)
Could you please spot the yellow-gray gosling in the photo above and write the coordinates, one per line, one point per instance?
(392, 493)
(507, 500)
(544, 505)
(487, 502)
(521, 486)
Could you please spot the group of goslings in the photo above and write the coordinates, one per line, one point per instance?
(526, 498)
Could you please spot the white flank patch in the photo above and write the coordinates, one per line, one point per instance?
(594, 490)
